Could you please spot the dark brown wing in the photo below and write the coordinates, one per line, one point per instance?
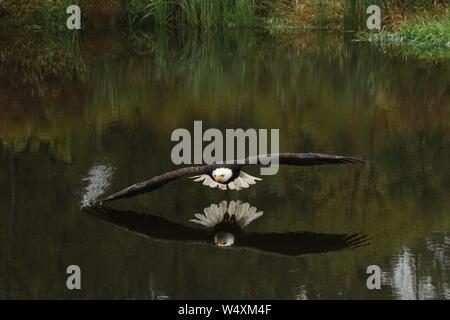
(159, 181)
(302, 159)
(150, 225)
(295, 244)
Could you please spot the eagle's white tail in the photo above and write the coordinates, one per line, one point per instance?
(212, 215)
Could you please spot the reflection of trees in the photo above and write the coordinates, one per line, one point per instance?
(181, 82)
(41, 66)
(422, 272)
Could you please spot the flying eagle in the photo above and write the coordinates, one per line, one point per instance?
(223, 227)
(228, 175)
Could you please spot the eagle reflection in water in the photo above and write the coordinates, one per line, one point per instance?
(223, 226)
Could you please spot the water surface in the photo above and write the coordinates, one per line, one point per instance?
(104, 122)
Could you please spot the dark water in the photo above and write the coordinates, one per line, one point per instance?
(104, 122)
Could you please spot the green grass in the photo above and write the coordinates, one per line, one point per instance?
(278, 15)
(201, 14)
(34, 15)
(424, 38)
(291, 16)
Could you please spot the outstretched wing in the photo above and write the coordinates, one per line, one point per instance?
(295, 159)
(159, 181)
(302, 159)
(149, 225)
(295, 244)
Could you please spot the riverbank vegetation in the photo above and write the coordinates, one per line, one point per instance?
(272, 15)
(37, 47)
(424, 38)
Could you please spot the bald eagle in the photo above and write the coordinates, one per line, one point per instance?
(228, 175)
(223, 226)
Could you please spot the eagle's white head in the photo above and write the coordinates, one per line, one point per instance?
(224, 239)
(222, 175)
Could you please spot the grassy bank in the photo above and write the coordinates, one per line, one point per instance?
(423, 38)
(34, 15)
(36, 43)
(271, 15)
(201, 14)
(288, 16)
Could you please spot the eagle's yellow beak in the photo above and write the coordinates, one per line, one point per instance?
(218, 178)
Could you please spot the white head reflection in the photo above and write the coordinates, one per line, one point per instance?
(224, 239)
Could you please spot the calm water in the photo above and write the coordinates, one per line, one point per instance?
(71, 137)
